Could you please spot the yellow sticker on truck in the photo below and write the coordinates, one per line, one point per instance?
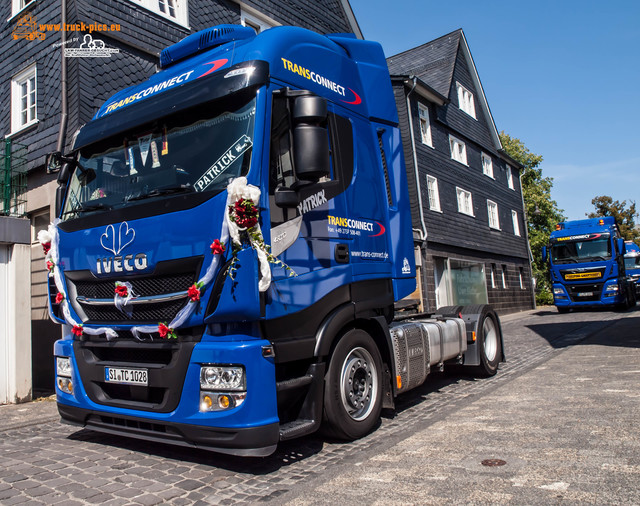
(583, 275)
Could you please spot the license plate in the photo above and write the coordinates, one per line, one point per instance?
(126, 376)
(585, 294)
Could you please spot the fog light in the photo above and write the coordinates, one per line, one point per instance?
(210, 401)
(66, 385)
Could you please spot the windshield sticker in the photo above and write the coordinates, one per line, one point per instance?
(223, 163)
(165, 143)
(154, 155)
(583, 275)
(143, 143)
(583, 237)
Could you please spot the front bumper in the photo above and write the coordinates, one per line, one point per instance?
(251, 428)
(251, 441)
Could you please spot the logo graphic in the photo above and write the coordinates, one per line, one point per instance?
(114, 244)
(406, 268)
(216, 65)
(26, 28)
(90, 48)
(126, 236)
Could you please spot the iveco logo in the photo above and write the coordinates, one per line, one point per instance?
(114, 242)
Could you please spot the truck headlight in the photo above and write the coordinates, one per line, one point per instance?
(611, 289)
(558, 291)
(63, 373)
(222, 387)
(222, 377)
(63, 366)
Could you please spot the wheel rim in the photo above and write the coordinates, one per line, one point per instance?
(358, 384)
(490, 339)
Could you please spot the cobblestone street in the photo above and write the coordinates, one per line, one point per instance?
(45, 462)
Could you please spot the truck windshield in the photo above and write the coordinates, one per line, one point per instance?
(632, 262)
(187, 152)
(581, 251)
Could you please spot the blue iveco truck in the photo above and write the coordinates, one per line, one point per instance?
(232, 236)
(587, 265)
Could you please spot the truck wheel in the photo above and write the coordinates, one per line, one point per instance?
(489, 344)
(353, 387)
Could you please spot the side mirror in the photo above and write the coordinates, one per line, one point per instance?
(53, 162)
(544, 253)
(286, 197)
(621, 246)
(63, 175)
(60, 191)
(310, 138)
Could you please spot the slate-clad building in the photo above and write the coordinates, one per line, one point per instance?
(133, 32)
(465, 191)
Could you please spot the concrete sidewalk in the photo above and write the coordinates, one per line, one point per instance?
(13, 416)
(564, 432)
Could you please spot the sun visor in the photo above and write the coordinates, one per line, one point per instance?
(249, 74)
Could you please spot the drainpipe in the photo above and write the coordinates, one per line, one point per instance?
(63, 81)
(423, 230)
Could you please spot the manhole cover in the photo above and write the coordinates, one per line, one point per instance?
(493, 462)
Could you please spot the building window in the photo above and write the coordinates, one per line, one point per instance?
(492, 210)
(425, 125)
(18, 5)
(520, 278)
(504, 276)
(465, 202)
(24, 110)
(494, 275)
(465, 100)
(258, 22)
(487, 165)
(510, 178)
(175, 10)
(458, 150)
(434, 194)
(516, 223)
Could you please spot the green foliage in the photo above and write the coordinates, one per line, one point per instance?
(542, 212)
(625, 217)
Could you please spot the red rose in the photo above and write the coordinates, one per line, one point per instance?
(122, 290)
(46, 247)
(217, 247)
(246, 213)
(50, 265)
(59, 298)
(248, 222)
(166, 331)
(194, 293)
(77, 330)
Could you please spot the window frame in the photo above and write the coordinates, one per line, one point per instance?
(494, 283)
(25, 76)
(468, 201)
(436, 193)
(423, 117)
(520, 277)
(256, 19)
(516, 223)
(492, 211)
(504, 276)
(487, 169)
(181, 7)
(17, 6)
(453, 140)
(466, 102)
(510, 178)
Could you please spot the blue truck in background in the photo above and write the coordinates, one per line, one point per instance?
(232, 237)
(632, 263)
(587, 265)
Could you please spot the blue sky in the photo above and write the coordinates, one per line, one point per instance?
(563, 76)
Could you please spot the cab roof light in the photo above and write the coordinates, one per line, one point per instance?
(558, 226)
(600, 222)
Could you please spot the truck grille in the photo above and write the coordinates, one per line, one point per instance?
(161, 294)
(585, 293)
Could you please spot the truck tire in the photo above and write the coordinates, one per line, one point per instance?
(489, 340)
(353, 387)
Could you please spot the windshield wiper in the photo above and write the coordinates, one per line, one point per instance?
(183, 188)
(84, 209)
